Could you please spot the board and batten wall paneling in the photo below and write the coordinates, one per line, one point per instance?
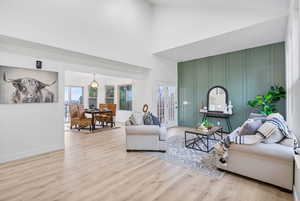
(244, 73)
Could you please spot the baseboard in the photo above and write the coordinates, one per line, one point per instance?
(295, 194)
(29, 153)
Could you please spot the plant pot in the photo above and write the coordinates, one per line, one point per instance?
(209, 127)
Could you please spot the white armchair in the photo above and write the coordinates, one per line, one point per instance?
(146, 138)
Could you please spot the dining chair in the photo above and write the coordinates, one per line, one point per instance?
(83, 120)
(74, 115)
(107, 118)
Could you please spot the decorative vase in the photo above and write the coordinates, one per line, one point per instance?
(230, 108)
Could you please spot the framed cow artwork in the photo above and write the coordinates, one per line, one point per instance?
(21, 85)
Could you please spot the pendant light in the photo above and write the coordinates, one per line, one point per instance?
(94, 83)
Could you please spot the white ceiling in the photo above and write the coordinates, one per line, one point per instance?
(268, 26)
(80, 76)
(255, 4)
(253, 36)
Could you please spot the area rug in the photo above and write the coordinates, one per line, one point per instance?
(178, 154)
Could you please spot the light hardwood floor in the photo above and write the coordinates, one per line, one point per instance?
(97, 167)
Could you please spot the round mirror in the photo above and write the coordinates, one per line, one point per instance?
(217, 99)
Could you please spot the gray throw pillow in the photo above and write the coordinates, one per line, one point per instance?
(257, 115)
(250, 127)
(148, 119)
(263, 117)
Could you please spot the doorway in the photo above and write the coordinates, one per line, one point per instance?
(73, 95)
(167, 105)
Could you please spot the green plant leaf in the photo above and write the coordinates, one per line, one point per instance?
(266, 104)
(252, 103)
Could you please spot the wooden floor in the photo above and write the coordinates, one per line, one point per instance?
(97, 167)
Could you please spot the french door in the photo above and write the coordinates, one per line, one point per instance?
(73, 95)
(167, 105)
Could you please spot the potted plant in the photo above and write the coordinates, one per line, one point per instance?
(266, 103)
(206, 124)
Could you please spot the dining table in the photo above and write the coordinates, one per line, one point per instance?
(95, 112)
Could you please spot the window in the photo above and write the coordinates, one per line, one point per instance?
(109, 94)
(125, 97)
(73, 95)
(93, 97)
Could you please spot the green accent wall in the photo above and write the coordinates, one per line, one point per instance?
(244, 74)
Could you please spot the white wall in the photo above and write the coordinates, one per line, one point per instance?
(32, 129)
(111, 37)
(175, 26)
(293, 69)
(84, 79)
(293, 79)
(29, 129)
(112, 29)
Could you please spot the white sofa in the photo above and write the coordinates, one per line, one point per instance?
(270, 163)
(146, 138)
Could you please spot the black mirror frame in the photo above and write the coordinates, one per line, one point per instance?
(217, 86)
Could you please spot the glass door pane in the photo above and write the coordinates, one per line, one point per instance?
(125, 97)
(109, 94)
(167, 105)
(93, 93)
(76, 96)
(73, 95)
(66, 103)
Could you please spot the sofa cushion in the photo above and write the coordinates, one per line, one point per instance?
(142, 130)
(276, 151)
(163, 133)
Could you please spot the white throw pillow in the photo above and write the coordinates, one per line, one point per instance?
(138, 118)
(276, 115)
(288, 142)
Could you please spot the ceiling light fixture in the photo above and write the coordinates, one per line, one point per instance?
(94, 83)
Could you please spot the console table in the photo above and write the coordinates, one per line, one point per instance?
(218, 115)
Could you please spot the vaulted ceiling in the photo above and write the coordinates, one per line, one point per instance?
(253, 4)
(189, 29)
(132, 31)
